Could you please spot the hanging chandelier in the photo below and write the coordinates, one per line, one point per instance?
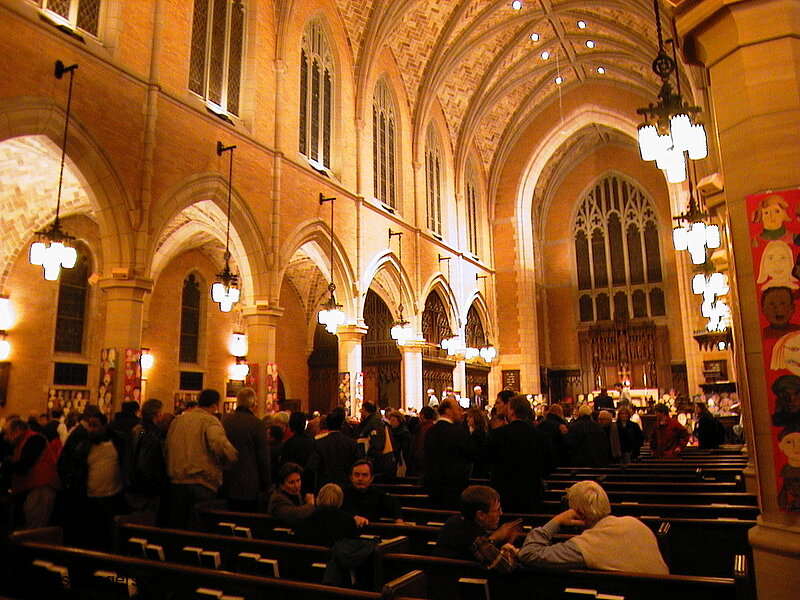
(669, 129)
(225, 291)
(692, 233)
(401, 330)
(330, 315)
(53, 248)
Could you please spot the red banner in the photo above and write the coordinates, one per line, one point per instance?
(775, 239)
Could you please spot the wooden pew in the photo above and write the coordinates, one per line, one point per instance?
(443, 576)
(633, 485)
(651, 497)
(44, 570)
(300, 562)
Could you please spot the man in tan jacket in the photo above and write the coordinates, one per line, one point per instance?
(197, 450)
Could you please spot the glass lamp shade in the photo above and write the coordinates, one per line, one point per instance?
(52, 257)
(488, 353)
(713, 239)
(470, 353)
(5, 349)
(698, 145)
(331, 319)
(698, 284)
(679, 238)
(648, 142)
(239, 371)
(6, 318)
(401, 333)
(238, 344)
(146, 360)
(225, 296)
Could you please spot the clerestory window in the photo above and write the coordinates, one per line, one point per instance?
(317, 83)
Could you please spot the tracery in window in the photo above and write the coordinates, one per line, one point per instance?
(73, 292)
(215, 69)
(317, 82)
(80, 14)
(190, 320)
(617, 253)
(433, 180)
(435, 322)
(384, 145)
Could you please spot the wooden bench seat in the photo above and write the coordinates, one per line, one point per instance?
(443, 576)
(41, 571)
(651, 497)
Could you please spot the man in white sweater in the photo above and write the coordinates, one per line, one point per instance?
(608, 543)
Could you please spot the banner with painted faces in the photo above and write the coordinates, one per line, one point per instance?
(775, 238)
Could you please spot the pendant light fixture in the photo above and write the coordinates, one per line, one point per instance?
(225, 290)
(401, 330)
(692, 233)
(330, 315)
(53, 248)
(669, 129)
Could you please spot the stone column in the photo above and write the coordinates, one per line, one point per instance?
(350, 337)
(411, 369)
(751, 49)
(261, 326)
(460, 378)
(123, 326)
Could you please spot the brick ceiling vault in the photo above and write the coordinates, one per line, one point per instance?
(476, 59)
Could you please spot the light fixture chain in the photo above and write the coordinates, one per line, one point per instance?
(64, 145)
(658, 26)
(230, 185)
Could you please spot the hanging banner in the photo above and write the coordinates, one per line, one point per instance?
(132, 389)
(105, 388)
(775, 240)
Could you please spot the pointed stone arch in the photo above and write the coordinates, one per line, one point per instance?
(386, 268)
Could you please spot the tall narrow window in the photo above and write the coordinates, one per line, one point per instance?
(617, 253)
(81, 14)
(190, 319)
(73, 287)
(433, 180)
(215, 69)
(384, 144)
(471, 195)
(316, 94)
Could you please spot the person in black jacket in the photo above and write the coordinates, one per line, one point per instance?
(519, 457)
(448, 456)
(631, 437)
(556, 427)
(334, 452)
(366, 502)
(709, 432)
(146, 479)
(586, 440)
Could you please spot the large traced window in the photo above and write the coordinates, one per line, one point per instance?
(435, 322)
(472, 202)
(617, 253)
(73, 291)
(433, 180)
(81, 14)
(190, 319)
(384, 145)
(215, 70)
(316, 94)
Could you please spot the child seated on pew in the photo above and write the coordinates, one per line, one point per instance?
(608, 543)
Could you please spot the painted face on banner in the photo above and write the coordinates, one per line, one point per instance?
(790, 446)
(776, 263)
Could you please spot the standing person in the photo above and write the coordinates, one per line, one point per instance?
(498, 414)
(555, 426)
(606, 421)
(520, 456)
(478, 425)
(401, 438)
(586, 440)
(287, 503)
(448, 456)
(334, 452)
(608, 543)
(433, 400)
(197, 449)
(478, 399)
(299, 446)
(631, 437)
(32, 470)
(710, 433)
(146, 479)
(668, 437)
(427, 417)
(604, 402)
(249, 476)
(372, 433)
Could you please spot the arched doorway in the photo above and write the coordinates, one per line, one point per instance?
(380, 355)
(437, 369)
(323, 368)
(477, 371)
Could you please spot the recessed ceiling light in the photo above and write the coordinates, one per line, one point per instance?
(601, 70)
(545, 55)
(534, 37)
(589, 44)
(581, 24)
(559, 80)
(516, 4)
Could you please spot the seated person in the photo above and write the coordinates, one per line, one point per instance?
(365, 502)
(474, 534)
(328, 523)
(608, 543)
(286, 503)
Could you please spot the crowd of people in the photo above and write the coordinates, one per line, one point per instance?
(316, 474)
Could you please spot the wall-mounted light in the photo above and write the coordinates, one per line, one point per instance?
(225, 290)
(238, 344)
(5, 346)
(146, 360)
(6, 316)
(330, 315)
(401, 330)
(53, 248)
(239, 370)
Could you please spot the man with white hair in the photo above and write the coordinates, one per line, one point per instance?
(608, 543)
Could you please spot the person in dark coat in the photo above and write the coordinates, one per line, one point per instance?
(146, 479)
(448, 457)
(556, 427)
(587, 441)
(401, 437)
(371, 433)
(427, 417)
(366, 502)
(631, 437)
(520, 456)
(708, 431)
(249, 477)
(334, 452)
(604, 402)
